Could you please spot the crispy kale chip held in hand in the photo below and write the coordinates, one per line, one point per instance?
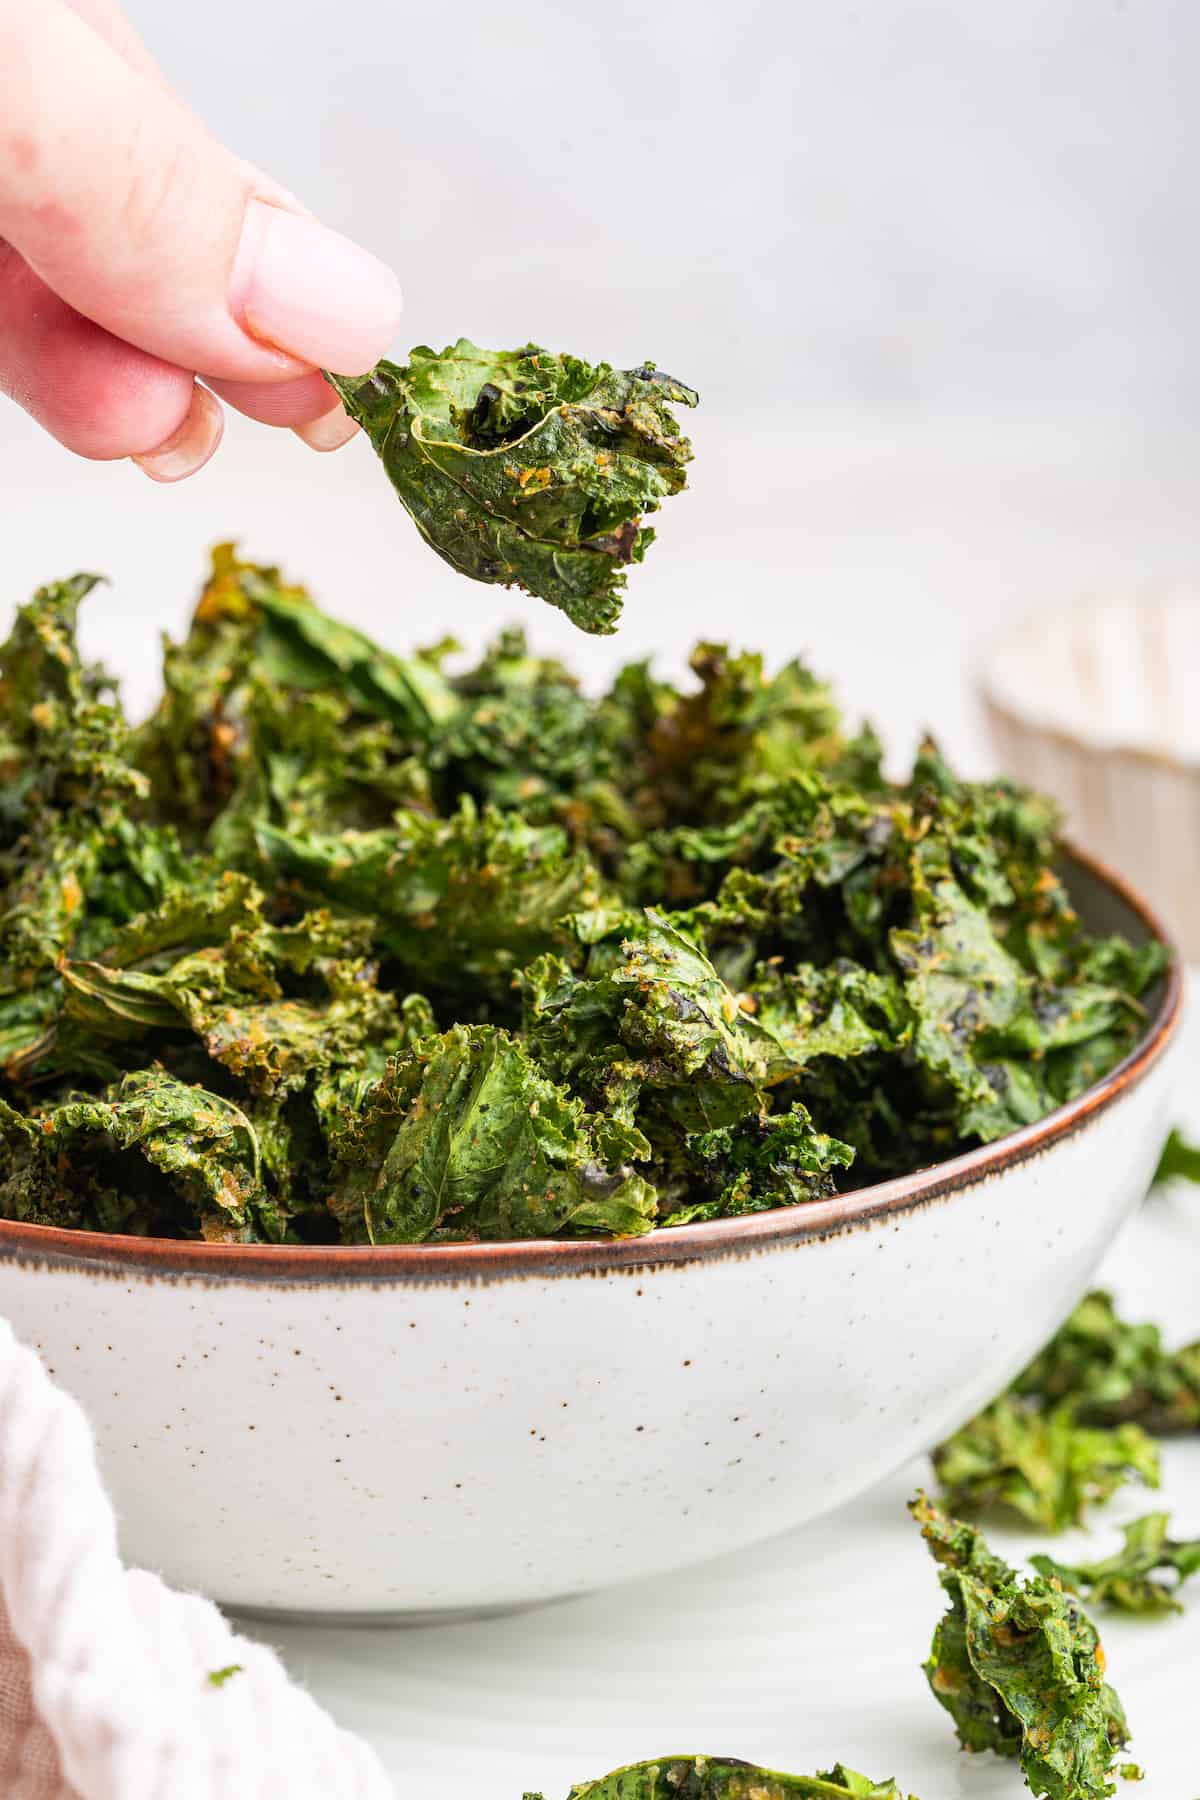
(1137, 1578)
(345, 944)
(526, 468)
(1019, 1667)
(1043, 1465)
(725, 1778)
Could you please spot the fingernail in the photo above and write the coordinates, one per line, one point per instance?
(309, 291)
(329, 432)
(189, 448)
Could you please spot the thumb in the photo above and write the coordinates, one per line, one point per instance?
(135, 216)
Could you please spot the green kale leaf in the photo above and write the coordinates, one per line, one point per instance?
(1180, 1161)
(75, 860)
(272, 1003)
(459, 902)
(527, 468)
(1044, 1465)
(1019, 1667)
(273, 710)
(653, 1036)
(685, 943)
(105, 1153)
(724, 1778)
(1131, 1580)
(1111, 1372)
(464, 1138)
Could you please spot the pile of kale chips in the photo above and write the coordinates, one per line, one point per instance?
(344, 945)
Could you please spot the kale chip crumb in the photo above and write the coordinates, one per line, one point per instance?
(344, 945)
(1180, 1160)
(1019, 1666)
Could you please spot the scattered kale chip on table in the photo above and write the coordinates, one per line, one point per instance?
(725, 1778)
(1137, 1577)
(1019, 1666)
(345, 945)
(1112, 1371)
(1044, 1465)
(1076, 1424)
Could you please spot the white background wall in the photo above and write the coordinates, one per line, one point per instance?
(897, 205)
(932, 264)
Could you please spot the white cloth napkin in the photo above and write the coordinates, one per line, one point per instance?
(105, 1673)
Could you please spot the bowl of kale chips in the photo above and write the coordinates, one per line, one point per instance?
(466, 1142)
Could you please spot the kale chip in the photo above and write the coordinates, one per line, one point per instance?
(1132, 1579)
(1019, 1667)
(1180, 1160)
(725, 1778)
(527, 468)
(1113, 1372)
(1044, 1465)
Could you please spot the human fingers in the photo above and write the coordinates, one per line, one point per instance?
(100, 397)
(133, 214)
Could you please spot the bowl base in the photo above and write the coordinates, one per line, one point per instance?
(434, 1615)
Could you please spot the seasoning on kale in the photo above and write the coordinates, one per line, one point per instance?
(725, 1778)
(520, 466)
(346, 944)
(1019, 1667)
(1136, 1578)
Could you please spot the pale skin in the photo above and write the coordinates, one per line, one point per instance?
(148, 276)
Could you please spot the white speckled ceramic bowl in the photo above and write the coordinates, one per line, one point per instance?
(416, 1431)
(1096, 703)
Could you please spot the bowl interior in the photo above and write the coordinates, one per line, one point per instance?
(1106, 907)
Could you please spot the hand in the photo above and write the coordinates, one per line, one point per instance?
(137, 253)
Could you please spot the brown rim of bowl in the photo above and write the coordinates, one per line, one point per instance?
(420, 1264)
